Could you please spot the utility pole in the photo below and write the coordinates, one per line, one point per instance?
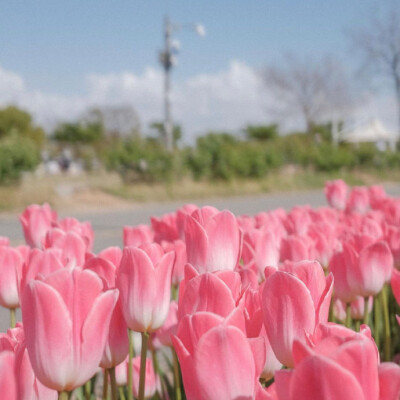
(168, 59)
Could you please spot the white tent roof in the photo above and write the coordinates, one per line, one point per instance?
(372, 131)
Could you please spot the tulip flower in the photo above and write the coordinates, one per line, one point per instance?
(371, 269)
(66, 318)
(144, 282)
(28, 387)
(36, 221)
(117, 344)
(217, 292)
(213, 240)
(217, 360)
(10, 274)
(358, 200)
(162, 336)
(137, 235)
(260, 246)
(8, 384)
(294, 305)
(82, 229)
(73, 246)
(338, 355)
(336, 193)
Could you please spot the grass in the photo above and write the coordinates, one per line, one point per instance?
(99, 190)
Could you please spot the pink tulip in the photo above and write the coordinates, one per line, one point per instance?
(144, 281)
(117, 344)
(298, 221)
(4, 241)
(179, 247)
(8, 384)
(371, 269)
(340, 265)
(295, 248)
(294, 305)
(217, 360)
(28, 387)
(358, 200)
(395, 283)
(162, 336)
(112, 254)
(260, 246)
(138, 235)
(357, 307)
(339, 310)
(213, 240)
(72, 245)
(338, 355)
(11, 270)
(389, 381)
(42, 262)
(336, 194)
(392, 238)
(36, 221)
(66, 318)
(151, 381)
(377, 195)
(165, 228)
(82, 229)
(255, 328)
(217, 292)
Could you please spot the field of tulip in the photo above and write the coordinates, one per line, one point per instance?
(204, 305)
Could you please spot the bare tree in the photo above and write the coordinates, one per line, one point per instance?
(378, 42)
(118, 121)
(317, 91)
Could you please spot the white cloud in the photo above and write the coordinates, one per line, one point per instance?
(226, 100)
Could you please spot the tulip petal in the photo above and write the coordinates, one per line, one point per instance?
(42, 303)
(289, 313)
(224, 365)
(318, 377)
(389, 381)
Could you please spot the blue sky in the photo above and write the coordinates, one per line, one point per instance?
(54, 46)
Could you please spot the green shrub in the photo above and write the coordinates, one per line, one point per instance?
(141, 160)
(17, 155)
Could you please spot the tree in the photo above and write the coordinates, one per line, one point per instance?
(160, 130)
(378, 43)
(16, 121)
(261, 132)
(118, 121)
(316, 91)
(79, 132)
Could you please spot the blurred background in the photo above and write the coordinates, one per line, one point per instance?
(103, 103)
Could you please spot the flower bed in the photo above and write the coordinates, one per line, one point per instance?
(202, 304)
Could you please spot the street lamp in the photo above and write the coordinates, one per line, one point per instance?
(168, 58)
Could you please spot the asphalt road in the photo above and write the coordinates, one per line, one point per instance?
(108, 224)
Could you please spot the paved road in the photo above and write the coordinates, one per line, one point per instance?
(108, 224)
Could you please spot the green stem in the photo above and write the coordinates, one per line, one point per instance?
(386, 326)
(174, 292)
(63, 396)
(105, 384)
(366, 311)
(156, 370)
(88, 390)
(177, 383)
(12, 318)
(143, 358)
(130, 370)
(348, 315)
(114, 389)
(377, 321)
(121, 393)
